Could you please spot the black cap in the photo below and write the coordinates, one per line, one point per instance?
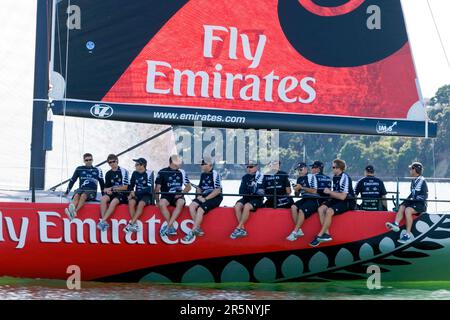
(301, 165)
(417, 166)
(317, 164)
(206, 160)
(141, 161)
(370, 169)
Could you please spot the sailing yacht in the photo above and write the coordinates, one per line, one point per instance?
(292, 65)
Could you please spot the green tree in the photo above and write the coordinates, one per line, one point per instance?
(442, 97)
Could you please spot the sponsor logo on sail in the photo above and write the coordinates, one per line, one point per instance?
(383, 128)
(102, 111)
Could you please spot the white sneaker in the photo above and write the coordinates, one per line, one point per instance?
(393, 226)
(299, 233)
(292, 236)
(72, 209)
(68, 214)
(128, 228)
(135, 227)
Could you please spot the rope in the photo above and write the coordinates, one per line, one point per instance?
(439, 34)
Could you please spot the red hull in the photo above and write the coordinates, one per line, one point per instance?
(50, 244)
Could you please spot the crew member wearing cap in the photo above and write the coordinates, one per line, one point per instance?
(277, 185)
(116, 184)
(170, 182)
(416, 203)
(372, 190)
(141, 189)
(342, 200)
(253, 189)
(323, 181)
(210, 188)
(90, 177)
(306, 187)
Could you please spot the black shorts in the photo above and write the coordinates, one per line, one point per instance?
(308, 206)
(339, 206)
(371, 205)
(281, 202)
(419, 206)
(255, 202)
(91, 194)
(210, 204)
(123, 199)
(147, 198)
(171, 199)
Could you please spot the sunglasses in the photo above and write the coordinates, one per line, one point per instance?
(113, 161)
(86, 160)
(249, 167)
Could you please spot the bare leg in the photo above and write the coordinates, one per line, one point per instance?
(245, 215)
(409, 218)
(400, 214)
(76, 199)
(238, 211)
(322, 211)
(327, 223)
(199, 217)
(132, 208)
(294, 213)
(104, 206)
(163, 204)
(111, 208)
(81, 202)
(193, 209)
(301, 219)
(139, 210)
(179, 206)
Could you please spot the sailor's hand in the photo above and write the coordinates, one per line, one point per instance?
(326, 191)
(298, 187)
(108, 191)
(201, 199)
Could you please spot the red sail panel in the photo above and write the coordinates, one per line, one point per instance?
(380, 89)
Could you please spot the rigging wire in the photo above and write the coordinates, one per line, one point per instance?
(64, 138)
(434, 176)
(439, 34)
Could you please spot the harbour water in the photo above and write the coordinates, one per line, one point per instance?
(30, 289)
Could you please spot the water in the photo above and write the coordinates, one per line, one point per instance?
(12, 288)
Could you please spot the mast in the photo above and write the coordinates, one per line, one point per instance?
(40, 95)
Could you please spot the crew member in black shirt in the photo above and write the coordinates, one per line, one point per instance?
(342, 199)
(170, 182)
(372, 190)
(252, 188)
(141, 193)
(416, 203)
(323, 181)
(210, 187)
(90, 177)
(116, 184)
(277, 182)
(306, 187)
